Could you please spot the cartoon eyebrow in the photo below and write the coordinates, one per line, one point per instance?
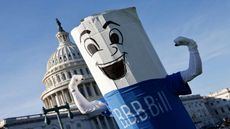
(109, 22)
(84, 32)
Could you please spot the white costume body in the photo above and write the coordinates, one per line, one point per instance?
(119, 54)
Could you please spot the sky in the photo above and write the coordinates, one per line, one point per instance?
(28, 29)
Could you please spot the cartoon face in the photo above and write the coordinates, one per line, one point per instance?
(117, 49)
(113, 67)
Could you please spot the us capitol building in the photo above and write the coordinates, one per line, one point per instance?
(61, 66)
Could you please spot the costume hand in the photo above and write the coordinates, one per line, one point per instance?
(185, 41)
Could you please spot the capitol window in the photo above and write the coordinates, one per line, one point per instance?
(69, 74)
(81, 71)
(75, 71)
(64, 58)
(50, 82)
(63, 76)
(58, 78)
(87, 70)
(69, 56)
(79, 54)
(53, 80)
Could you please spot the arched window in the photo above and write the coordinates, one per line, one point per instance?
(63, 76)
(50, 82)
(64, 58)
(46, 83)
(53, 80)
(69, 74)
(75, 72)
(69, 56)
(79, 54)
(87, 70)
(81, 71)
(58, 78)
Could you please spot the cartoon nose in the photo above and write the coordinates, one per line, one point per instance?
(115, 49)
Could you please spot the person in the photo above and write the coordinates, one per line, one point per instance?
(166, 102)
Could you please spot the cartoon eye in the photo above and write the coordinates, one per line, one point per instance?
(115, 36)
(92, 48)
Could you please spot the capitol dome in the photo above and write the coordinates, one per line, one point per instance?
(61, 66)
(66, 51)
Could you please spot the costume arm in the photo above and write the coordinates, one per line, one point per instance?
(195, 64)
(84, 106)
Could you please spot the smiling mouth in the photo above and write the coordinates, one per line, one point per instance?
(114, 69)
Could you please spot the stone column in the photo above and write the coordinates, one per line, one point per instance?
(63, 96)
(85, 91)
(60, 97)
(106, 123)
(67, 96)
(71, 97)
(51, 102)
(99, 122)
(113, 121)
(92, 89)
(97, 89)
(47, 103)
(92, 122)
(57, 100)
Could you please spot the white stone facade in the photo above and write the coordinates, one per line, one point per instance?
(195, 106)
(219, 104)
(209, 110)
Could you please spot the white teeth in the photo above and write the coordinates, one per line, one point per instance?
(111, 62)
